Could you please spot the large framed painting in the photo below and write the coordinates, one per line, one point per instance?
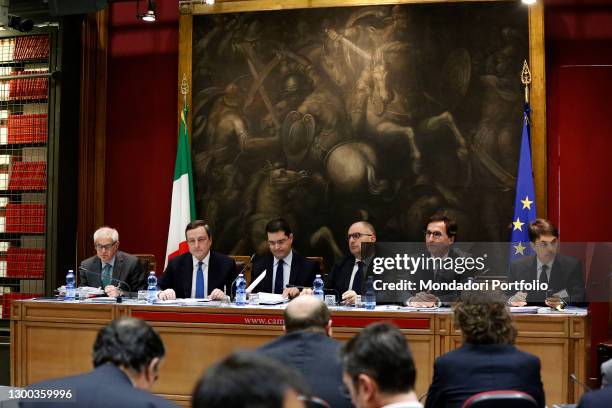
(325, 114)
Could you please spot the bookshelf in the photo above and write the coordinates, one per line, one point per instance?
(25, 65)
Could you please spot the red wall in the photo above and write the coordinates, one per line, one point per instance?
(579, 86)
(142, 126)
(142, 102)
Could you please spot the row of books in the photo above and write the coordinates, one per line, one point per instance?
(24, 128)
(24, 263)
(7, 298)
(27, 88)
(24, 176)
(24, 218)
(31, 47)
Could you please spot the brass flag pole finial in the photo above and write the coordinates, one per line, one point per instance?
(526, 79)
(184, 90)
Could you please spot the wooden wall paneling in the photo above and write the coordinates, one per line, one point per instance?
(92, 135)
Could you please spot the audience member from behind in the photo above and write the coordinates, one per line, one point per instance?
(127, 354)
(249, 380)
(307, 347)
(379, 370)
(487, 360)
(113, 270)
(597, 399)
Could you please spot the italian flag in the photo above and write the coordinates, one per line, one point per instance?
(182, 210)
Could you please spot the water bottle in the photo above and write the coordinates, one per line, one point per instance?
(152, 287)
(370, 295)
(241, 290)
(70, 290)
(317, 287)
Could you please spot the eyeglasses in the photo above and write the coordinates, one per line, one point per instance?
(313, 402)
(280, 242)
(434, 234)
(100, 247)
(357, 235)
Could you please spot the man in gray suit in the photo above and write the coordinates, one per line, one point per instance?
(111, 269)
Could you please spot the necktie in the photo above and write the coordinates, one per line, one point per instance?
(544, 275)
(107, 275)
(278, 281)
(199, 293)
(358, 278)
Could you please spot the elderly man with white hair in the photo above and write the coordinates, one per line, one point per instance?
(113, 270)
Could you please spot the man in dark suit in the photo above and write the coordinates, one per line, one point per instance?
(127, 354)
(346, 277)
(307, 346)
(440, 235)
(597, 399)
(487, 360)
(379, 370)
(200, 272)
(111, 269)
(283, 266)
(562, 273)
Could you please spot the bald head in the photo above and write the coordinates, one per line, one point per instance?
(306, 313)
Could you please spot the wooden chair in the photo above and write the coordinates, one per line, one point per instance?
(243, 262)
(147, 261)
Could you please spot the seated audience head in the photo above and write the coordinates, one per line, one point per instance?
(440, 233)
(248, 380)
(483, 318)
(544, 239)
(133, 346)
(199, 239)
(358, 232)
(106, 242)
(378, 367)
(307, 313)
(280, 237)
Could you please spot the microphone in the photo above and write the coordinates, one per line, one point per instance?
(97, 276)
(232, 285)
(573, 377)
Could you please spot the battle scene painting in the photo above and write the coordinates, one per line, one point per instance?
(384, 113)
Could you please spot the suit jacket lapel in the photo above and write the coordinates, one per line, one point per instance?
(188, 274)
(118, 266)
(295, 269)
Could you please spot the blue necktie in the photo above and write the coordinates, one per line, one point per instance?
(278, 282)
(199, 293)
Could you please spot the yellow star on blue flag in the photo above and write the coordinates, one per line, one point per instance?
(524, 200)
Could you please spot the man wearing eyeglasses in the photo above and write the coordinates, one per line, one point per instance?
(440, 234)
(347, 275)
(199, 273)
(286, 271)
(562, 273)
(113, 270)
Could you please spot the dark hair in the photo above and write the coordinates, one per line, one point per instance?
(380, 351)
(246, 380)
(541, 227)
(196, 224)
(484, 318)
(449, 223)
(127, 342)
(278, 224)
(317, 319)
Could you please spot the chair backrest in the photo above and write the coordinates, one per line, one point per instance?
(147, 261)
(243, 262)
(500, 399)
(320, 261)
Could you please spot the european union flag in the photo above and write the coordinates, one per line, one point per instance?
(524, 202)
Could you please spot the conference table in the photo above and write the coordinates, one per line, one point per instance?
(51, 338)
